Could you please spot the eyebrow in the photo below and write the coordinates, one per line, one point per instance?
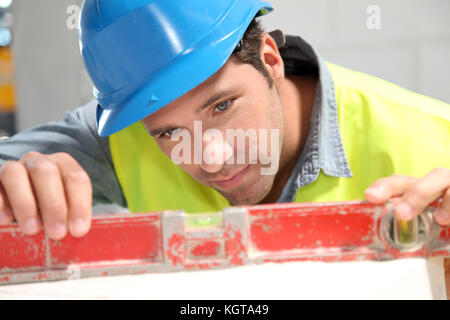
(218, 96)
(214, 98)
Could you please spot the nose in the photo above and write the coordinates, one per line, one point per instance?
(216, 151)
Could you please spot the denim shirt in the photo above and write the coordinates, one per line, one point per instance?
(77, 136)
(323, 148)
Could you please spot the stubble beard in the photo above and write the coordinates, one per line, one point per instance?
(248, 193)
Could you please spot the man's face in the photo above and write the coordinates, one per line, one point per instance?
(236, 97)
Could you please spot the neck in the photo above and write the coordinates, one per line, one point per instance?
(297, 96)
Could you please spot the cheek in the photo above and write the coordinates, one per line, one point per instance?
(165, 148)
(253, 115)
(265, 113)
(261, 113)
(192, 169)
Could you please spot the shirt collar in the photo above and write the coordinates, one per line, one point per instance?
(323, 148)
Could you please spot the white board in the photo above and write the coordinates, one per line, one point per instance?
(400, 279)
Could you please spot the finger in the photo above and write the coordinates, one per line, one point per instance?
(6, 216)
(29, 155)
(49, 190)
(391, 203)
(442, 213)
(385, 188)
(19, 193)
(423, 192)
(78, 191)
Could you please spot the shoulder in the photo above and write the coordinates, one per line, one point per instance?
(377, 91)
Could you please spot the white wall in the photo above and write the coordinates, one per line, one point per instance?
(411, 49)
(50, 76)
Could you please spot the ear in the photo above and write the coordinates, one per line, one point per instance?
(271, 58)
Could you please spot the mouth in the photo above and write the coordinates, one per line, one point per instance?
(234, 180)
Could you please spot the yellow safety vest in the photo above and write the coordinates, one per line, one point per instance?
(385, 129)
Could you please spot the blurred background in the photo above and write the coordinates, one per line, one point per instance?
(404, 41)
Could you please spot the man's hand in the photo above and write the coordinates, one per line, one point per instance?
(414, 194)
(52, 190)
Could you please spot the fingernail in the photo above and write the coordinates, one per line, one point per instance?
(31, 226)
(403, 210)
(442, 215)
(78, 227)
(57, 231)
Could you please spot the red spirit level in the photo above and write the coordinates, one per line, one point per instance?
(173, 241)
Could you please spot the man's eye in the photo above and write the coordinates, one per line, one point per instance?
(169, 133)
(223, 106)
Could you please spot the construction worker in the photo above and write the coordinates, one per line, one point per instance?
(178, 83)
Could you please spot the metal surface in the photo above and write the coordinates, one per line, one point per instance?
(173, 241)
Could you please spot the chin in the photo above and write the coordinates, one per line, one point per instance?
(250, 194)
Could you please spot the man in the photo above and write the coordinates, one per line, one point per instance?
(167, 72)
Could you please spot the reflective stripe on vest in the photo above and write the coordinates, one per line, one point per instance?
(385, 130)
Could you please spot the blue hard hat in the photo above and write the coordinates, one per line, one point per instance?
(143, 54)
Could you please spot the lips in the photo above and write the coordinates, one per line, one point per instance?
(234, 180)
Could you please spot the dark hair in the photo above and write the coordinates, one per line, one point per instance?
(248, 50)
